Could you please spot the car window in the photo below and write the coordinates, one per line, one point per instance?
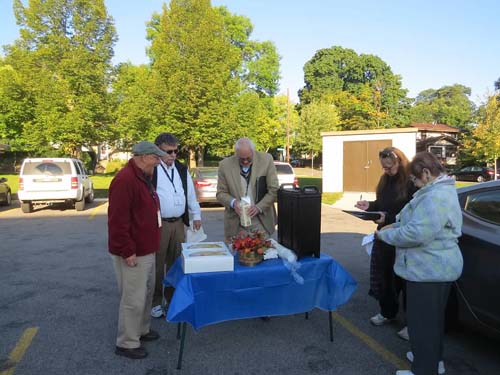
(485, 205)
(77, 167)
(82, 167)
(465, 169)
(476, 169)
(208, 173)
(47, 167)
(283, 169)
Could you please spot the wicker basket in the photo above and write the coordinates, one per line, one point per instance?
(250, 259)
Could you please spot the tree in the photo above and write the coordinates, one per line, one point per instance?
(193, 61)
(286, 122)
(447, 105)
(133, 103)
(211, 83)
(16, 107)
(259, 69)
(315, 118)
(487, 132)
(63, 59)
(362, 87)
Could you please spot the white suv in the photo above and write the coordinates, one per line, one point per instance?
(285, 173)
(51, 180)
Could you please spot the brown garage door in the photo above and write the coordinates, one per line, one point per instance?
(361, 165)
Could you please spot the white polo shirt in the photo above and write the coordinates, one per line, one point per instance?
(172, 199)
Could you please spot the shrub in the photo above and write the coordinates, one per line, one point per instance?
(114, 166)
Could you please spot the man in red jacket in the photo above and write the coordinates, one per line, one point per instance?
(134, 223)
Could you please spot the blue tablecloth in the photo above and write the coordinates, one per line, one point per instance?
(267, 289)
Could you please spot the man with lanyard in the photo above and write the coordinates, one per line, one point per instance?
(248, 176)
(178, 202)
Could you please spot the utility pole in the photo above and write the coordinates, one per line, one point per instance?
(288, 125)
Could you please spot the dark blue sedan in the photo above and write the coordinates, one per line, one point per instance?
(475, 297)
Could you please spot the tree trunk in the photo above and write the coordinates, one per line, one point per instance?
(496, 167)
(200, 159)
(192, 158)
(312, 163)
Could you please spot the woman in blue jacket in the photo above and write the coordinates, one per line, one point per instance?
(428, 258)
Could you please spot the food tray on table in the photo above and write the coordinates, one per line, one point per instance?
(206, 257)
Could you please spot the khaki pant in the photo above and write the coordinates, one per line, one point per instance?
(172, 236)
(136, 286)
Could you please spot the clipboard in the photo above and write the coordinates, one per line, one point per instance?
(364, 215)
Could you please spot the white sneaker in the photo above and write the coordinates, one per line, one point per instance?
(157, 311)
(379, 320)
(441, 369)
(404, 334)
(404, 372)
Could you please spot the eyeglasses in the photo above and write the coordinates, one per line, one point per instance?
(387, 154)
(176, 151)
(245, 160)
(412, 178)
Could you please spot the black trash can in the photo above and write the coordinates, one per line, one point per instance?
(299, 219)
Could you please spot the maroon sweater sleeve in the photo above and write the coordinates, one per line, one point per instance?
(121, 198)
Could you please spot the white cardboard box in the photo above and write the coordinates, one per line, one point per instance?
(206, 257)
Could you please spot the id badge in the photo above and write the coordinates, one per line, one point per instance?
(178, 201)
(159, 218)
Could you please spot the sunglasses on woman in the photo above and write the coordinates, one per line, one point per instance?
(387, 154)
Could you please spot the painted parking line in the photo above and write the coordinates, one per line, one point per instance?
(18, 352)
(96, 210)
(8, 211)
(373, 344)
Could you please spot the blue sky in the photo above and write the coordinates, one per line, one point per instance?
(429, 43)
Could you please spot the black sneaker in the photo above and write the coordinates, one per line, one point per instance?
(133, 353)
(150, 336)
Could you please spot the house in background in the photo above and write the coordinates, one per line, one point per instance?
(440, 139)
(351, 158)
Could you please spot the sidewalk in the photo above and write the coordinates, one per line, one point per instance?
(307, 172)
(349, 199)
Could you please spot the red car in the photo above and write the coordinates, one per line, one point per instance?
(205, 183)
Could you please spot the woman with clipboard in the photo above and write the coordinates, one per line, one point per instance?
(393, 191)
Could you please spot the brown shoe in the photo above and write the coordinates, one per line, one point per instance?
(150, 336)
(132, 353)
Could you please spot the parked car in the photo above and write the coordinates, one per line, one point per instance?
(285, 173)
(5, 193)
(475, 297)
(53, 180)
(473, 173)
(205, 183)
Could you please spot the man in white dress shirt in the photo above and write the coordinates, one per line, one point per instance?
(178, 202)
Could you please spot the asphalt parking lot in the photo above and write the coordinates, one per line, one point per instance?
(58, 311)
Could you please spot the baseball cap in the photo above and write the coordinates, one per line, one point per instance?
(147, 148)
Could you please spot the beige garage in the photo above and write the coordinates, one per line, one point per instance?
(350, 158)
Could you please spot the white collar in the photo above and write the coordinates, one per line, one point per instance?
(166, 166)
